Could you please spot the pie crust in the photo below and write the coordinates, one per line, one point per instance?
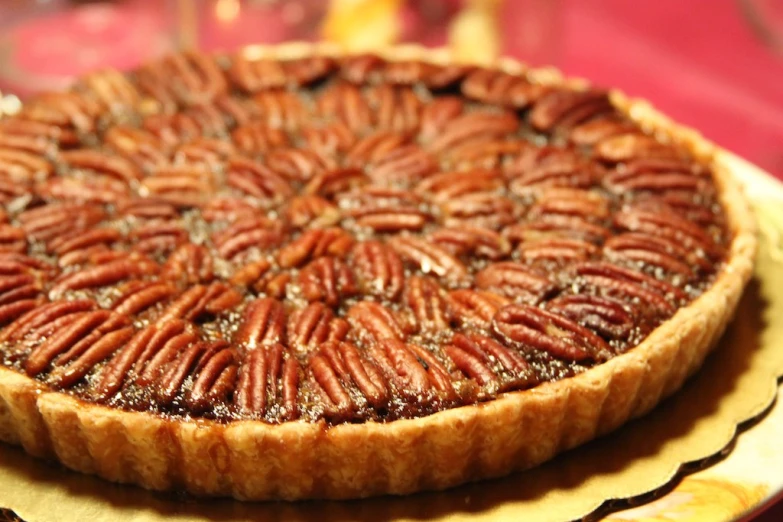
(252, 460)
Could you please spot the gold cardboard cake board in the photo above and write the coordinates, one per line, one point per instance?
(738, 382)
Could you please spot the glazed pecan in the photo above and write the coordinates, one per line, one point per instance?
(427, 301)
(501, 88)
(12, 239)
(311, 211)
(515, 281)
(245, 236)
(538, 168)
(449, 185)
(469, 240)
(256, 180)
(100, 164)
(379, 269)
(280, 109)
(597, 129)
(189, 264)
(429, 258)
(607, 316)
(474, 308)
(667, 225)
(80, 240)
(416, 373)
(481, 209)
(489, 363)
(103, 275)
(209, 152)
(338, 368)
(112, 88)
(589, 205)
(557, 226)
(186, 78)
(625, 147)
(327, 279)
(68, 373)
(564, 109)
(102, 190)
(21, 166)
(331, 182)
(556, 250)
(141, 147)
(373, 148)
(201, 303)
(345, 102)
(256, 138)
(395, 108)
(39, 139)
(373, 322)
(437, 114)
(656, 297)
(531, 328)
(136, 296)
(268, 383)
(402, 166)
(361, 68)
(215, 380)
(183, 186)
(333, 139)
(263, 323)
(255, 75)
(312, 326)
(471, 125)
(297, 164)
(653, 252)
(315, 243)
(158, 237)
(63, 337)
(70, 113)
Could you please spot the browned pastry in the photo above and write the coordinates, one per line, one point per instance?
(296, 274)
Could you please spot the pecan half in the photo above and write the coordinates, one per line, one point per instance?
(427, 301)
(189, 264)
(373, 322)
(605, 315)
(268, 383)
(481, 209)
(310, 327)
(429, 258)
(530, 328)
(474, 308)
(311, 211)
(515, 281)
(469, 240)
(263, 323)
(255, 138)
(257, 180)
(489, 363)
(312, 244)
(327, 279)
(338, 368)
(379, 269)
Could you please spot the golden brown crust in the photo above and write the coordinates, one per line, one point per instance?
(254, 460)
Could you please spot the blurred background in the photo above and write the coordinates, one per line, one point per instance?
(713, 64)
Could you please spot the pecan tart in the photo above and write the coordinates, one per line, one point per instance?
(292, 273)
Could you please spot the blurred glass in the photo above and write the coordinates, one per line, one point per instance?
(44, 44)
(766, 19)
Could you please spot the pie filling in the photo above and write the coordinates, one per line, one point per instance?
(341, 239)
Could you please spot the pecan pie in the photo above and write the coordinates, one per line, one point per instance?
(292, 273)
